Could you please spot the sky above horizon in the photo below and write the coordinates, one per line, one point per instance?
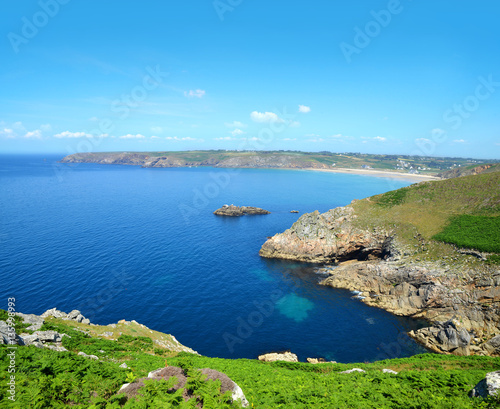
(388, 77)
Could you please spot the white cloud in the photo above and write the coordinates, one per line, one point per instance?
(237, 132)
(18, 129)
(421, 141)
(265, 117)
(132, 136)
(36, 134)
(9, 133)
(176, 138)
(460, 141)
(225, 138)
(18, 126)
(375, 138)
(294, 124)
(314, 140)
(199, 93)
(157, 129)
(340, 136)
(93, 119)
(68, 134)
(438, 132)
(235, 124)
(155, 137)
(304, 109)
(289, 139)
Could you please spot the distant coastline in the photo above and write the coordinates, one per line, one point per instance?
(386, 166)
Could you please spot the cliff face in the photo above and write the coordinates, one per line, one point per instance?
(458, 172)
(463, 307)
(216, 160)
(327, 237)
(462, 304)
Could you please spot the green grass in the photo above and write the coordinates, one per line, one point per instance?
(474, 232)
(49, 379)
(419, 214)
(393, 198)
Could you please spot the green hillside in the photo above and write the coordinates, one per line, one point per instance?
(50, 379)
(463, 211)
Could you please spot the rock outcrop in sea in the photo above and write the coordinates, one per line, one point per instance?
(232, 210)
(462, 305)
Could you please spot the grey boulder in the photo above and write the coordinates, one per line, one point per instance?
(489, 386)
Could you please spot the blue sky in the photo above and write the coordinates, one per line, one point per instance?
(407, 77)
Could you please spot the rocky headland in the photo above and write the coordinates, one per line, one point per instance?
(212, 159)
(235, 211)
(49, 339)
(375, 248)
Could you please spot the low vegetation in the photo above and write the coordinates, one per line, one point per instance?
(49, 379)
(475, 232)
(434, 218)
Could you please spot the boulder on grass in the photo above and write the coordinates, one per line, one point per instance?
(489, 386)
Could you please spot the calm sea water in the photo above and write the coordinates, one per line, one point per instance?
(121, 242)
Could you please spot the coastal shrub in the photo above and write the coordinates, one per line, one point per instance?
(475, 232)
(49, 379)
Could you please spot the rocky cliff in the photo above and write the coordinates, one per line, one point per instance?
(328, 237)
(180, 159)
(383, 255)
(468, 171)
(52, 339)
(461, 306)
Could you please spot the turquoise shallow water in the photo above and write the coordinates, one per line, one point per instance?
(125, 242)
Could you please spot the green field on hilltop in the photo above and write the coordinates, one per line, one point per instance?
(463, 211)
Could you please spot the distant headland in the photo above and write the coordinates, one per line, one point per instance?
(416, 168)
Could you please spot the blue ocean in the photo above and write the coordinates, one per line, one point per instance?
(123, 242)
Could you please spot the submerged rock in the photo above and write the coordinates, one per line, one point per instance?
(231, 210)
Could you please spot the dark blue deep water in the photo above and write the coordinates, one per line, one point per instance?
(122, 242)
